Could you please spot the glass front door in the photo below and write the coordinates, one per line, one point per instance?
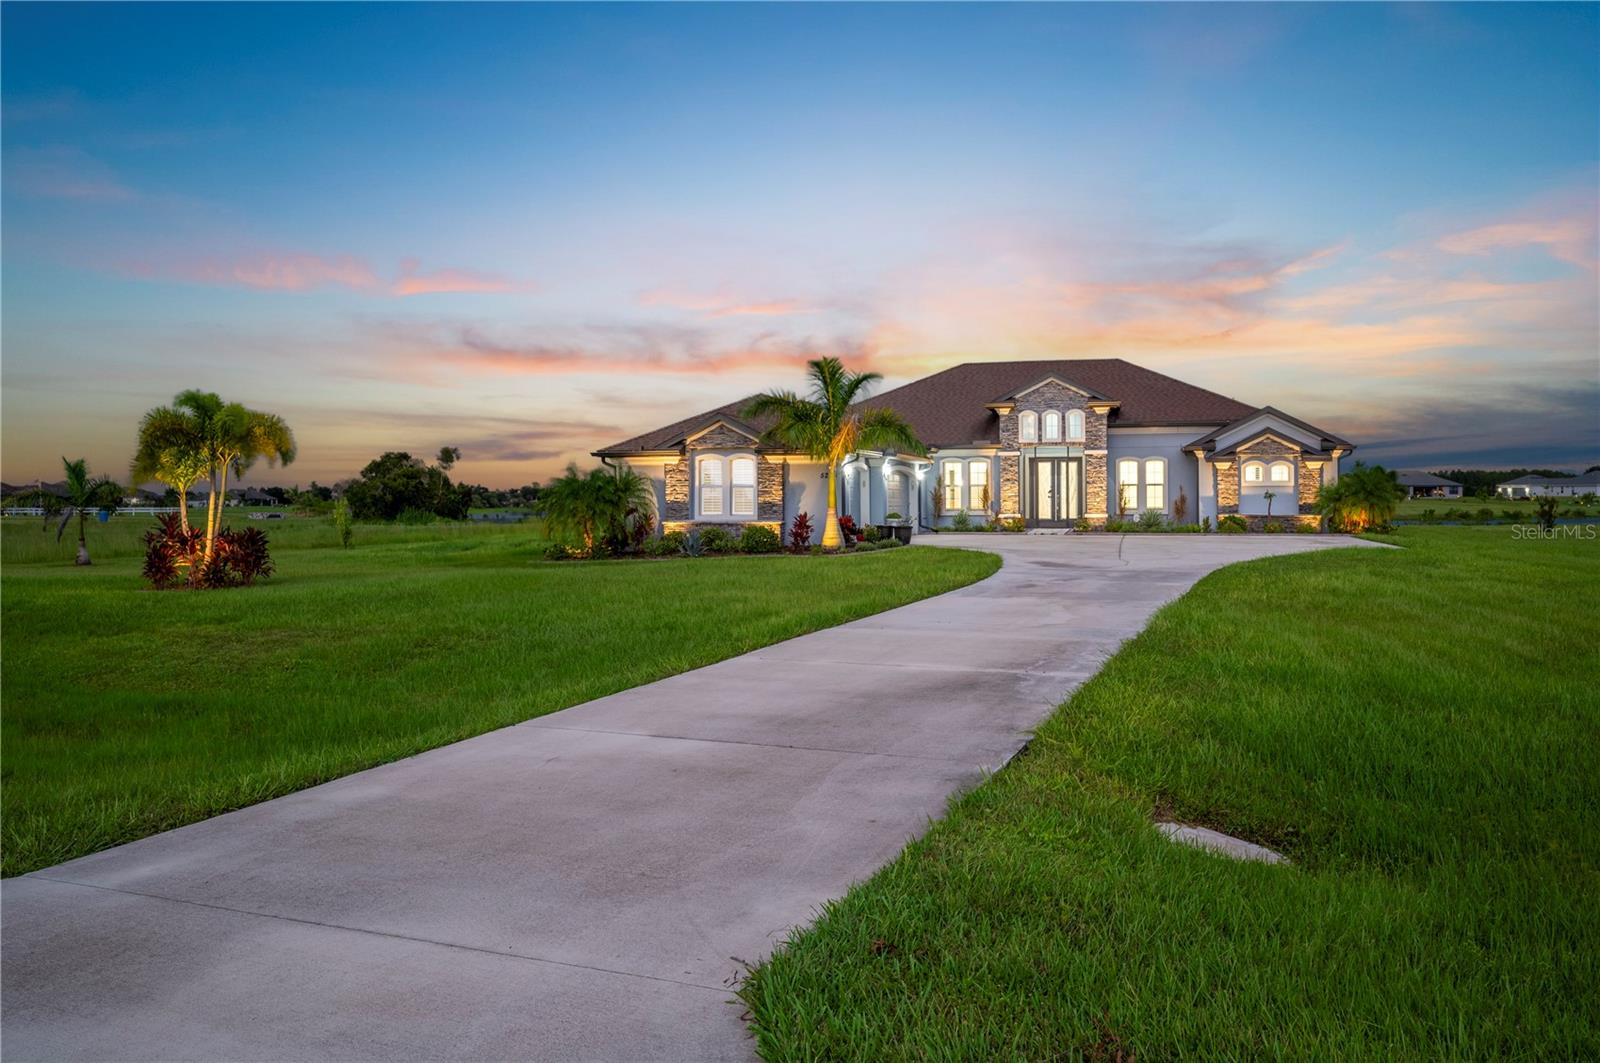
(1057, 490)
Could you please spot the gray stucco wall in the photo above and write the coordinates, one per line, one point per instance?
(806, 492)
(1139, 444)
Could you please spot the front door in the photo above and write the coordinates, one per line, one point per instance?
(1057, 491)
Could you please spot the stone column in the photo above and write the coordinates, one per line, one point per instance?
(1010, 486)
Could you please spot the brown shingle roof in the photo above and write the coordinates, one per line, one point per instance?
(948, 408)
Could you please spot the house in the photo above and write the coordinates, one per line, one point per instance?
(1050, 442)
(1420, 484)
(1562, 486)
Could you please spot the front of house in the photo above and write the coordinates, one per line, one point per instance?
(1057, 444)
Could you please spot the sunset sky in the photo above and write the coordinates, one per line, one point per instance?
(531, 231)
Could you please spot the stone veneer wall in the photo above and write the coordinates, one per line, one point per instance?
(1010, 485)
(1094, 484)
(1310, 484)
(676, 514)
(1227, 487)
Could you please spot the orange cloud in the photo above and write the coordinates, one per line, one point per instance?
(413, 282)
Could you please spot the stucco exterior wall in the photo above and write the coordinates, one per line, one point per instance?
(1167, 445)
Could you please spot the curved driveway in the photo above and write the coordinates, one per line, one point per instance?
(583, 885)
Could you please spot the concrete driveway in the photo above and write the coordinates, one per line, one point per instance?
(584, 885)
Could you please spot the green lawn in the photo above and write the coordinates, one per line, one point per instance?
(1522, 508)
(1416, 729)
(127, 711)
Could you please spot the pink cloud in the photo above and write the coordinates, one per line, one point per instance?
(414, 282)
(267, 271)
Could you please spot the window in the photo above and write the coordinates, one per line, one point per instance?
(1075, 424)
(1028, 426)
(952, 486)
(711, 487)
(1254, 472)
(898, 495)
(1052, 426)
(1127, 485)
(743, 475)
(1280, 473)
(979, 480)
(1155, 483)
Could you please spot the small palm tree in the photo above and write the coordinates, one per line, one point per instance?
(1365, 497)
(597, 506)
(86, 494)
(829, 427)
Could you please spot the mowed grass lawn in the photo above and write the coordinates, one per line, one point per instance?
(1419, 730)
(128, 711)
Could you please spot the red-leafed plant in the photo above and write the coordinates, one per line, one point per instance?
(800, 533)
(848, 529)
(175, 556)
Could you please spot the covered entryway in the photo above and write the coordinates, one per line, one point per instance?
(1055, 492)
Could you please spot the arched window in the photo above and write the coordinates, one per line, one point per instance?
(711, 487)
(1281, 472)
(1155, 483)
(898, 495)
(977, 483)
(1075, 424)
(1028, 426)
(1254, 472)
(951, 485)
(1052, 426)
(1127, 485)
(743, 476)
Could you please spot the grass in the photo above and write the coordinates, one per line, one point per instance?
(1524, 508)
(127, 711)
(1416, 729)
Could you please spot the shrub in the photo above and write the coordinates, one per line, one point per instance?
(173, 556)
(800, 532)
(1118, 526)
(693, 545)
(1180, 507)
(1546, 507)
(1205, 525)
(674, 540)
(1231, 524)
(661, 547)
(1151, 520)
(890, 543)
(415, 516)
(1273, 526)
(1186, 529)
(1083, 524)
(893, 516)
(343, 523)
(1428, 516)
(848, 529)
(758, 539)
(1017, 524)
(872, 534)
(865, 547)
(961, 522)
(718, 540)
(558, 552)
(1307, 529)
(1362, 498)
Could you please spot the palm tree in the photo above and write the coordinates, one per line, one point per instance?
(171, 449)
(234, 438)
(1366, 496)
(829, 427)
(599, 505)
(86, 493)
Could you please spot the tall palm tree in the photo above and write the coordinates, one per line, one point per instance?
(171, 449)
(86, 493)
(238, 438)
(829, 427)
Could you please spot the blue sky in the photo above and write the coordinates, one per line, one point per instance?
(533, 230)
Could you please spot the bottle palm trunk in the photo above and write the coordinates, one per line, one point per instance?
(832, 538)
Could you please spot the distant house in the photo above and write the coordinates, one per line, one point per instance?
(1538, 486)
(1420, 484)
(254, 496)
